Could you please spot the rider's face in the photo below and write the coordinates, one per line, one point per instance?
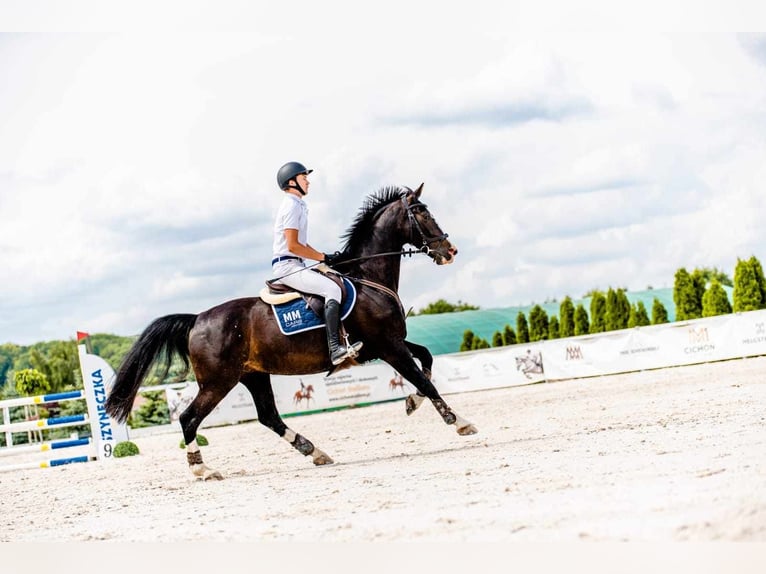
(303, 182)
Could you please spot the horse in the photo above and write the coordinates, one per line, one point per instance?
(530, 363)
(239, 341)
(396, 382)
(305, 392)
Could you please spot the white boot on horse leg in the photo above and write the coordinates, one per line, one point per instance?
(413, 402)
(464, 428)
(198, 468)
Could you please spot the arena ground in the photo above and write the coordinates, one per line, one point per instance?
(657, 456)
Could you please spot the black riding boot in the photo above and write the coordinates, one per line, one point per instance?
(338, 351)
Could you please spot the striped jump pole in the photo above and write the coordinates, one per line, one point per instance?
(105, 432)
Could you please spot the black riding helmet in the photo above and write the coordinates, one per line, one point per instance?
(289, 171)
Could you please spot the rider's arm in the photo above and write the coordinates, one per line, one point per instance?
(297, 248)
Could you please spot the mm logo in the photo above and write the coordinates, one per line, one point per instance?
(698, 335)
(574, 354)
(291, 316)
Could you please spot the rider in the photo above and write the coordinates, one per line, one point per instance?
(291, 247)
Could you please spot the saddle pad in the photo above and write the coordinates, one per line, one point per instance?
(296, 316)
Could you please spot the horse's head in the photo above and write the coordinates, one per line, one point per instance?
(424, 231)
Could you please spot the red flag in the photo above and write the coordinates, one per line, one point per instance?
(81, 336)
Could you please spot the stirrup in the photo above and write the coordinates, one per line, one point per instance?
(352, 349)
(339, 356)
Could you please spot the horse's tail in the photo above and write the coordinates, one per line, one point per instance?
(163, 338)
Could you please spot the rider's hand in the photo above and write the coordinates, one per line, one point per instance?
(332, 259)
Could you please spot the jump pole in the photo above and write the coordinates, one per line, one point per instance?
(97, 378)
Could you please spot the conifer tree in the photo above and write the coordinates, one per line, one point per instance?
(479, 343)
(553, 328)
(747, 290)
(509, 336)
(538, 324)
(715, 301)
(638, 316)
(686, 296)
(659, 313)
(758, 271)
(497, 339)
(522, 328)
(581, 324)
(467, 343)
(597, 312)
(617, 310)
(699, 283)
(566, 312)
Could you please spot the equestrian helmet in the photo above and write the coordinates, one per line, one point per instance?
(289, 171)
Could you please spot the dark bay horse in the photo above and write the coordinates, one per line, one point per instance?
(240, 341)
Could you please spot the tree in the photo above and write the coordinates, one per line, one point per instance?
(638, 316)
(598, 312)
(748, 295)
(715, 301)
(659, 313)
(509, 336)
(699, 282)
(467, 343)
(553, 328)
(687, 296)
(710, 273)
(31, 382)
(581, 323)
(758, 270)
(154, 411)
(479, 343)
(442, 306)
(538, 324)
(617, 310)
(522, 328)
(497, 339)
(566, 312)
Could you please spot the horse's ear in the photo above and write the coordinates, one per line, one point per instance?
(418, 191)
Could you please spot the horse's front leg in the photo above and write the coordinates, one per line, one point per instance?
(400, 358)
(426, 361)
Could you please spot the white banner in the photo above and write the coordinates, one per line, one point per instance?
(97, 378)
(652, 347)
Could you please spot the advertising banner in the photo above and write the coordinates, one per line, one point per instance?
(652, 347)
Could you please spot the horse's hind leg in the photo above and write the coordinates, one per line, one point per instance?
(400, 358)
(207, 398)
(259, 385)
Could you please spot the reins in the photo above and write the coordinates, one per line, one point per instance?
(425, 249)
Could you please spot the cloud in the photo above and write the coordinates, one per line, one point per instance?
(137, 174)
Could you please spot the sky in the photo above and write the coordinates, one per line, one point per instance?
(139, 149)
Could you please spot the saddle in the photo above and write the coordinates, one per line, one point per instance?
(279, 293)
(298, 312)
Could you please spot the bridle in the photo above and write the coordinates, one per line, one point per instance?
(414, 223)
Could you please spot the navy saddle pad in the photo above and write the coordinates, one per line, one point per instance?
(296, 316)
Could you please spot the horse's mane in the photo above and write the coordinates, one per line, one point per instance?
(362, 225)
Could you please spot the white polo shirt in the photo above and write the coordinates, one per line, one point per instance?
(293, 213)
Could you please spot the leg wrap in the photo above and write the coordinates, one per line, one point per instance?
(194, 457)
(302, 445)
(446, 413)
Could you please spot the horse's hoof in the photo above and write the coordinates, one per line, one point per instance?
(212, 475)
(322, 460)
(467, 430)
